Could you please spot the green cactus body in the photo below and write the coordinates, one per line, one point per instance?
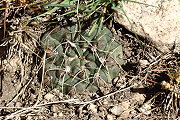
(83, 60)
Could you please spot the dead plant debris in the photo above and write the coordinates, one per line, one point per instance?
(147, 85)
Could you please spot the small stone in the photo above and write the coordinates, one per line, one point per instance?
(125, 105)
(60, 114)
(33, 96)
(145, 108)
(54, 108)
(55, 114)
(115, 80)
(80, 111)
(109, 117)
(116, 110)
(92, 108)
(143, 62)
(48, 96)
(102, 111)
(18, 104)
(139, 97)
(125, 113)
(119, 109)
(29, 117)
(105, 102)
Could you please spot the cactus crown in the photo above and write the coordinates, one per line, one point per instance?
(81, 60)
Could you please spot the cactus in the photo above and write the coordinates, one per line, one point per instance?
(80, 59)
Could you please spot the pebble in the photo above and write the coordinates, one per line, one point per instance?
(116, 110)
(60, 114)
(109, 117)
(54, 108)
(55, 114)
(145, 108)
(92, 107)
(125, 105)
(29, 117)
(119, 109)
(18, 104)
(105, 102)
(48, 96)
(143, 62)
(139, 97)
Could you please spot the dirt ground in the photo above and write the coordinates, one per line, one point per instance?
(147, 86)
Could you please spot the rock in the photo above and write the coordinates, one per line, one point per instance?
(102, 111)
(119, 109)
(146, 108)
(60, 114)
(139, 97)
(29, 117)
(54, 108)
(55, 114)
(143, 62)
(79, 111)
(125, 113)
(48, 96)
(116, 110)
(125, 105)
(18, 104)
(110, 117)
(158, 20)
(105, 102)
(92, 107)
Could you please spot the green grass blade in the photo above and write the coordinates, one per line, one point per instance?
(140, 3)
(46, 13)
(61, 5)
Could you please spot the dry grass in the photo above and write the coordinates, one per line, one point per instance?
(25, 68)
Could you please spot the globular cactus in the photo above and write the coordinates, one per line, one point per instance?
(81, 60)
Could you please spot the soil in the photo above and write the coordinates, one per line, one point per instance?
(136, 93)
